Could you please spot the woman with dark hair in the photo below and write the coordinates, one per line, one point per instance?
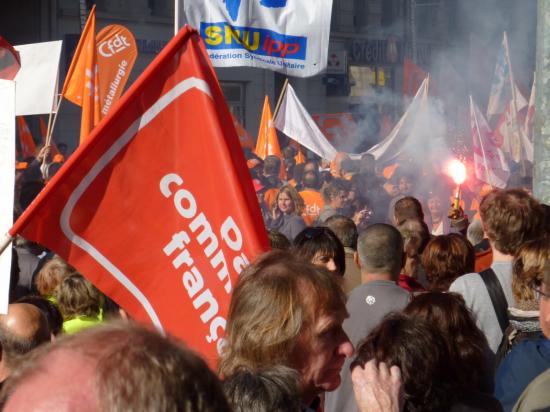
(467, 345)
(286, 213)
(445, 258)
(419, 350)
(320, 246)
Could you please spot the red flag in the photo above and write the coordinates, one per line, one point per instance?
(156, 207)
(10, 63)
(413, 76)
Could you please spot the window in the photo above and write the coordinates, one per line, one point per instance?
(234, 93)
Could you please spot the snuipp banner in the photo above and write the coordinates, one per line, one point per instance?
(288, 36)
(156, 207)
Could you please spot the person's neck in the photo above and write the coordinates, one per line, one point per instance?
(436, 220)
(371, 277)
(499, 256)
(4, 371)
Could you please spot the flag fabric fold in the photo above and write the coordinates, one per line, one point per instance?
(81, 83)
(157, 207)
(399, 139)
(293, 120)
(267, 143)
(489, 163)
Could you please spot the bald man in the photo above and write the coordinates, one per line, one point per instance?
(24, 328)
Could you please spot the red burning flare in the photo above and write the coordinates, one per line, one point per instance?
(456, 169)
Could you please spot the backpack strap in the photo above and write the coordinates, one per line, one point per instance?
(500, 305)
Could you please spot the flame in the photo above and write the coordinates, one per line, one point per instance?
(456, 169)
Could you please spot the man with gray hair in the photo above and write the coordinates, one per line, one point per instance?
(380, 258)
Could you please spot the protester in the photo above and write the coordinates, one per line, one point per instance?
(537, 397)
(528, 274)
(268, 390)
(429, 384)
(285, 311)
(22, 329)
(405, 208)
(437, 220)
(50, 275)
(49, 310)
(309, 191)
(278, 241)
(79, 302)
(115, 367)
(334, 195)
(380, 257)
(446, 258)
(509, 217)
(320, 246)
(530, 354)
(415, 238)
(473, 361)
(346, 231)
(286, 213)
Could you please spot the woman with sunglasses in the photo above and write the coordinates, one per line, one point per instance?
(320, 246)
(286, 213)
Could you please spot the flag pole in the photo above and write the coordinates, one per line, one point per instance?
(283, 91)
(481, 143)
(5, 242)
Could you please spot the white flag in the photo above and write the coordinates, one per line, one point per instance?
(287, 36)
(7, 181)
(36, 81)
(293, 120)
(490, 165)
(404, 133)
(502, 94)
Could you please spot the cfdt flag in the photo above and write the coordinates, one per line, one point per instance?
(157, 207)
(290, 37)
(116, 55)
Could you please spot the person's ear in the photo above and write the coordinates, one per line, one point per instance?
(356, 259)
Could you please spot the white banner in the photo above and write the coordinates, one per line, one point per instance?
(37, 79)
(7, 180)
(288, 36)
(293, 120)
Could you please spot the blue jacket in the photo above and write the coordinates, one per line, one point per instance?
(527, 360)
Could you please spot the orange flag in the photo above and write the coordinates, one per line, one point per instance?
(244, 137)
(300, 158)
(116, 55)
(28, 147)
(81, 83)
(267, 143)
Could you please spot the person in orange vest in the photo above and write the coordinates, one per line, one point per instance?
(309, 191)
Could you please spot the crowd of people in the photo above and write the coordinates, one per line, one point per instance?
(373, 298)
